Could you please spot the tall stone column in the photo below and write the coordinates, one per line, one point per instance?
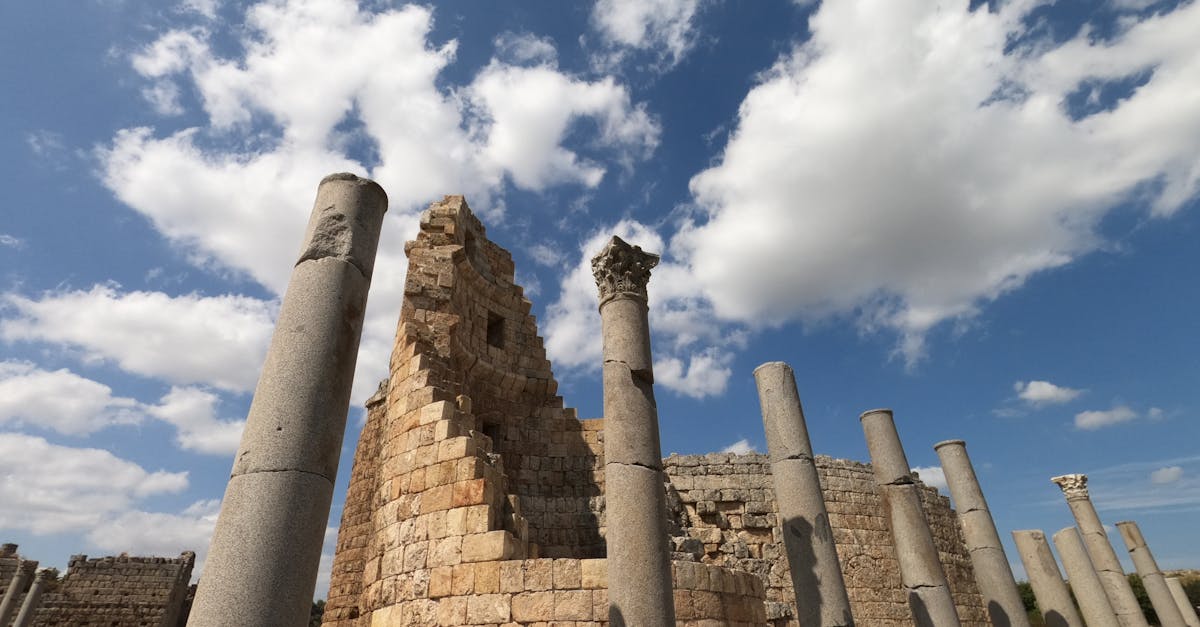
(1104, 559)
(16, 587)
(992, 572)
(1085, 583)
(1152, 577)
(821, 598)
(1053, 598)
(640, 592)
(920, 569)
(33, 598)
(262, 563)
(1186, 609)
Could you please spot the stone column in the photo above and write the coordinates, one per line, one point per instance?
(16, 587)
(1089, 591)
(992, 572)
(1104, 559)
(821, 599)
(266, 549)
(1053, 598)
(1183, 602)
(920, 569)
(32, 600)
(640, 591)
(1152, 577)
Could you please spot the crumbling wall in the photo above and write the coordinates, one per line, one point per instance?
(727, 503)
(119, 592)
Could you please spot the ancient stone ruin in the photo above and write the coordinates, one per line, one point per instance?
(117, 591)
(478, 498)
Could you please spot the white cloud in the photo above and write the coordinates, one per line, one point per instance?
(235, 197)
(11, 241)
(685, 331)
(1091, 420)
(193, 413)
(665, 27)
(47, 488)
(545, 255)
(932, 476)
(1044, 392)
(204, 8)
(212, 340)
(1168, 474)
(741, 447)
(163, 534)
(521, 48)
(60, 400)
(913, 180)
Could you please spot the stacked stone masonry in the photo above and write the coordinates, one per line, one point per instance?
(477, 498)
(117, 591)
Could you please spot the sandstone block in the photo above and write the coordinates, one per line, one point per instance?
(489, 546)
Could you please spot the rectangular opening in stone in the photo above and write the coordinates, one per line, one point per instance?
(495, 330)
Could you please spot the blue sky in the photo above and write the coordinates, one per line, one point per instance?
(982, 215)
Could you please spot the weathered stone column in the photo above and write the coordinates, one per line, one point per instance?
(992, 572)
(33, 598)
(920, 569)
(1183, 602)
(1053, 598)
(16, 587)
(1152, 577)
(262, 564)
(1104, 559)
(640, 591)
(821, 598)
(1085, 582)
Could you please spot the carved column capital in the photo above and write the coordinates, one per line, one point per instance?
(1073, 486)
(622, 271)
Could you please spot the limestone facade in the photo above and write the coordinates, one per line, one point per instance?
(477, 497)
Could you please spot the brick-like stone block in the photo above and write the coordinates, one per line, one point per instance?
(483, 609)
(490, 546)
(594, 573)
(530, 607)
(567, 574)
(572, 605)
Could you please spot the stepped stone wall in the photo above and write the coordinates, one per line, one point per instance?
(477, 498)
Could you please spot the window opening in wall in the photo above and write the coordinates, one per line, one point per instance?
(495, 330)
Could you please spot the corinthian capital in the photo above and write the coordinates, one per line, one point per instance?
(622, 270)
(1073, 486)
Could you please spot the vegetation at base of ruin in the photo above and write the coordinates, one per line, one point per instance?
(1189, 578)
(318, 612)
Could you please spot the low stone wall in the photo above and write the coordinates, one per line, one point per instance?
(566, 591)
(119, 591)
(726, 504)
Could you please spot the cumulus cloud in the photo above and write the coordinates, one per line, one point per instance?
(1044, 393)
(193, 413)
(741, 447)
(11, 241)
(211, 340)
(60, 400)
(694, 350)
(1097, 419)
(911, 181)
(1168, 474)
(521, 48)
(47, 488)
(932, 476)
(665, 27)
(159, 533)
(318, 71)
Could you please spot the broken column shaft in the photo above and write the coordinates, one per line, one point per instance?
(992, 572)
(1053, 598)
(640, 591)
(1152, 577)
(1085, 582)
(920, 569)
(1182, 602)
(32, 600)
(820, 591)
(266, 549)
(1104, 559)
(16, 587)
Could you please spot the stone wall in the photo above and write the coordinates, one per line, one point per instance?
(727, 503)
(471, 481)
(119, 592)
